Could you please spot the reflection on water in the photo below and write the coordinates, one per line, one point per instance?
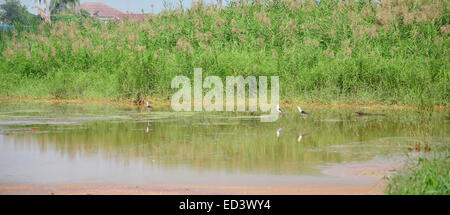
(43, 143)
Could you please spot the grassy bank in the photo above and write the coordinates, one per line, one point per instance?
(395, 52)
(424, 176)
(427, 169)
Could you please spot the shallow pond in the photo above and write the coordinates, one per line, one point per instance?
(97, 144)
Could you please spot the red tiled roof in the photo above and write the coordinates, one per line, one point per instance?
(100, 9)
(132, 16)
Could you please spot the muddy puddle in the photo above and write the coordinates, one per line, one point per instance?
(48, 144)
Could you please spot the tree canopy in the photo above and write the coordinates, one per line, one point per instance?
(61, 6)
(12, 11)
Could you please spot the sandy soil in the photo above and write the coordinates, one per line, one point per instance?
(85, 189)
(372, 175)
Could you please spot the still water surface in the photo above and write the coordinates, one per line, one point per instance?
(96, 144)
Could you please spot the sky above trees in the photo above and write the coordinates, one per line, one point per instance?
(132, 6)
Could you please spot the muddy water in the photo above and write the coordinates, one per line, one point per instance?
(95, 144)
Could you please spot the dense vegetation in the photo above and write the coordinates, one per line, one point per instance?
(393, 52)
(425, 177)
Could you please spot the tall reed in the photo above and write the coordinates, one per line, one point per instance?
(392, 52)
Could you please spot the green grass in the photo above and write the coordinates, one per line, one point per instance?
(427, 176)
(325, 52)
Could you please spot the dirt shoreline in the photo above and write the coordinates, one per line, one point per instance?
(156, 102)
(89, 189)
(370, 178)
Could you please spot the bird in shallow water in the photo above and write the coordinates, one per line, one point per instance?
(148, 106)
(301, 111)
(279, 109)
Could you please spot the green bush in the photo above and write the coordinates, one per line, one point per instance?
(427, 176)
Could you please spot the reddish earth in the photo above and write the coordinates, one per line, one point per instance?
(370, 178)
(146, 190)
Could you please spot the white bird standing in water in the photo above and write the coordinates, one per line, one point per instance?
(301, 111)
(279, 109)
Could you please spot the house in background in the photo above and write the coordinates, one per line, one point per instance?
(106, 13)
